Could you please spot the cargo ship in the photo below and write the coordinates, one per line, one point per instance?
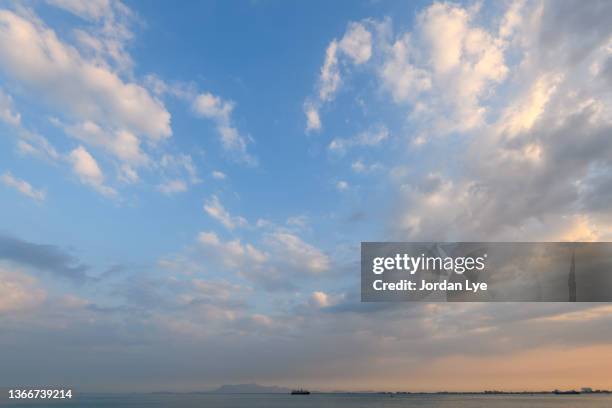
(300, 392)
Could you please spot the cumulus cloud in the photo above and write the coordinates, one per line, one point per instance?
(215, 209)
(121, 143)
(22, 186)
(546, 147)
(446, 67)
(400, 76)
(106, 38)
(32, 54)
(357, 43)
(88, 171)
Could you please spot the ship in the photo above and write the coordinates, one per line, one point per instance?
(570, 392)
(301, 391)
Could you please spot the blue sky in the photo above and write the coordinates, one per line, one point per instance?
(199, 176)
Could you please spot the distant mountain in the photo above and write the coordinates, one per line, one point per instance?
(250, 389)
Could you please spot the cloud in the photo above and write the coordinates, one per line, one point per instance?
(36, 145)
(357, 43)
(215, 209)
(404, 80)
(231, 253)
(329, 80)
(40, 257)
(175, 163)
(371, 137)
(446, 67)
(33, 54)
(172, 187)
(544, 144)
(358, 166)
(19, 292)
(299, 221)
(107, 37)
(292, 251)
(7, 111)
(342, 185)
(22, 186)
(313, 121)
(319, 299)
(88, 171)
(121, 143)
(355, 47)
(213, 107)
(218, 175)
(91, 10)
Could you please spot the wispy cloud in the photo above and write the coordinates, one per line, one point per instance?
(22, 186)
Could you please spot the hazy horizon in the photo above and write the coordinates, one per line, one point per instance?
(185, 187)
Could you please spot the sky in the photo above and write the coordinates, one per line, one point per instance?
(185, 186)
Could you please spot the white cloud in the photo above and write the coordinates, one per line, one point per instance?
(172, 187)
(329, 79)
(299, 221)
(546, 143)
(121, 143)
(37, 145)
(299, 255)
(357, 43)
(404, 80)
(88, 171)
(7, 111)
(57, 73)
(354, 47)
(22, 186)
(358, 166)
(313, 121)
(319, 299)
(215, 209)
(87, 9)
(371, 137)
(231, 253)
(218, 175)
(213, 107)
(342, 185)
(107, 37)
(467, 61)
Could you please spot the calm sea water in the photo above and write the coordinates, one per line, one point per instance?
(324, 401)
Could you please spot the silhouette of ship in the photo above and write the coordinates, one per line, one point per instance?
(301, 391)
(570, 392)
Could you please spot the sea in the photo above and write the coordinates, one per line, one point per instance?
(321, 401)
